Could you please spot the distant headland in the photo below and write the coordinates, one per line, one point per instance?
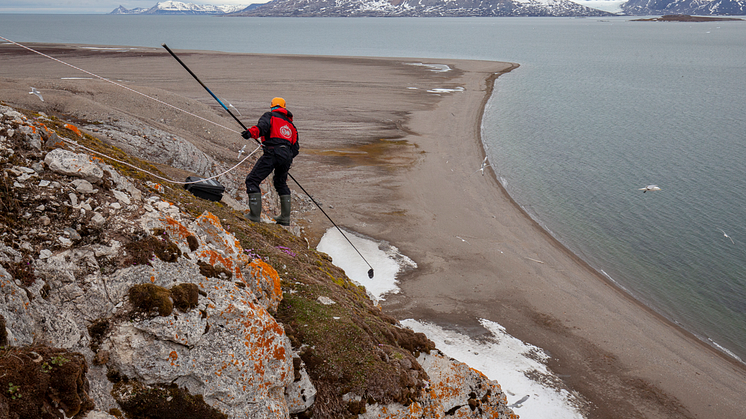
(686, 18)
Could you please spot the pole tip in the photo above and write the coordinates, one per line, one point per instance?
(370, 273)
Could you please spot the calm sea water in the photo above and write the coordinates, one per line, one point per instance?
(598, 109)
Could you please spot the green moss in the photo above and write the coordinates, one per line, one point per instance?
(22, 271)
(211, 271)
(147, 298)
(36, 380)
(348, 348)
(3, 333)
(142, 251)
(9, 203)
(161, 401)
(185, 296)
(192, 242)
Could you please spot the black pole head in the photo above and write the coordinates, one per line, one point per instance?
(370, 273)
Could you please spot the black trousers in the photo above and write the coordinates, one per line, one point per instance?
(277, 158)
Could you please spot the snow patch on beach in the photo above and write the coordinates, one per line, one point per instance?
(119, 49)
(385, 259)
(533, 391)
(436, 68)
(458, 89)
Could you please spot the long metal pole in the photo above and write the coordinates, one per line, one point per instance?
(370, 271)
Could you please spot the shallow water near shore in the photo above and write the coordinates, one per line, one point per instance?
(598, 109)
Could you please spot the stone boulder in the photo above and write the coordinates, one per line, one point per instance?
(74, 164)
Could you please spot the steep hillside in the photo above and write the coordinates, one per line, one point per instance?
(123, 297)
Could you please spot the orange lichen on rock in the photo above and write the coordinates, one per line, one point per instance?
(175, 228)
(74, 129)
(217, 235)
(267, 281)
(173, 356)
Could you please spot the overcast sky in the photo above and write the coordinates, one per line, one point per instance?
(94, 6)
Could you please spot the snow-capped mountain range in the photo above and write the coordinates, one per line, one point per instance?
(436, 8)
(688, 7)
(423, 8)
(180, 8)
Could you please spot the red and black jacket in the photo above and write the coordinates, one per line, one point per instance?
(276, 128)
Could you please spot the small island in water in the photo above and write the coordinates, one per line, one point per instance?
(686, 18)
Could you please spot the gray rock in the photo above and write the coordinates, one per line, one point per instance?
(98, 219)
(325, 300)
(72, 233)
(13, 306)
(122, 183)
(156, 145)
(12, 113)
(73, 164)
(8, 254)
(300, 394)
(121, 197)
(83, 186)
(34, 140)
(95, 414)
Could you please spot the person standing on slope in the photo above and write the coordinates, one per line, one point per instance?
(279, 138)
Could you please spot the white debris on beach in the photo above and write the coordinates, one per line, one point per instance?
(443, 90)
(436, 68)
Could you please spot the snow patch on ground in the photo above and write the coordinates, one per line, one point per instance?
(385, 259)
(520, 368)
(533, 391)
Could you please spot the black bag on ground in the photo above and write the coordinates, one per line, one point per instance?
(209, 189)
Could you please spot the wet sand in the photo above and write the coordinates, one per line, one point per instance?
(396, 162)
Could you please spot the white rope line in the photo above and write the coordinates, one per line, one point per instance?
(149, 97)
(120, 85)
(153, 174)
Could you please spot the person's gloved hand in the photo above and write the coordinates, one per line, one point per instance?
(246, 135)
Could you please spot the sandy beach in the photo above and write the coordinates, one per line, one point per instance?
(398, 163)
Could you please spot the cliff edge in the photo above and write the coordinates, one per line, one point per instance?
(124, 297)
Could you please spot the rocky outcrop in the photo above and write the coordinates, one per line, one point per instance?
(156, 145)
(143, 299)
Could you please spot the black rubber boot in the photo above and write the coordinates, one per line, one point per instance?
(255, 207)
(284, 218)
